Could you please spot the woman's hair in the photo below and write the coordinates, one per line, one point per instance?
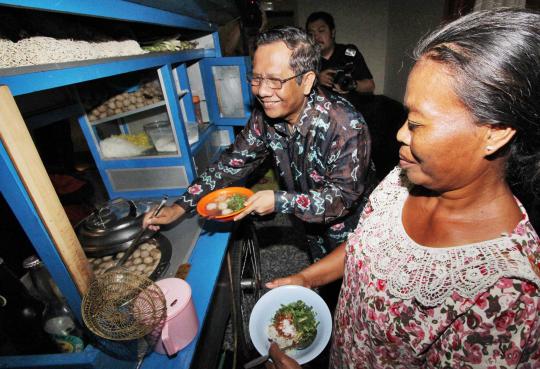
(324, 16)
(495, 58)
(305, 51)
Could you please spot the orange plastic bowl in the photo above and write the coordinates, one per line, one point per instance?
(212, 196)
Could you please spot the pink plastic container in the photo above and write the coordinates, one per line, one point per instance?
(182, 324)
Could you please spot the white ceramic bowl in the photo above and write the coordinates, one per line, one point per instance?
(269, 303)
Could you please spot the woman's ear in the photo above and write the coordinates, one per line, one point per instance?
(308, 82)
(498, 135)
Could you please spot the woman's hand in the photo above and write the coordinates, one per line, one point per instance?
(298, 279)
(280, 360)
(324, 271)
(167, 215)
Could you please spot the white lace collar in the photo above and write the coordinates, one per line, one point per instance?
(430, 275)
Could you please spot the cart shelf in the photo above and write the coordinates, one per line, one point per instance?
(34, 78)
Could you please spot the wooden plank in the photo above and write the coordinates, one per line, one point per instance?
(23, 153)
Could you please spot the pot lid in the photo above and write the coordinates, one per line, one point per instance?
(113, 222)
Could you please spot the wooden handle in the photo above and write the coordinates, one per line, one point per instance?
(20, 147)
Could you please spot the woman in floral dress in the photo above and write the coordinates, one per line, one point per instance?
(443, 268)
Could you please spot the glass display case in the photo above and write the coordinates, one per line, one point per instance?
(145, 132)
(128, 116)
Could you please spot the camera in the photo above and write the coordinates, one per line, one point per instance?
(343, 77)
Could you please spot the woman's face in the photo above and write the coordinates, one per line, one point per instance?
(442, 148)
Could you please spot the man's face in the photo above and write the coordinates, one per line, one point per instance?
(272, 61)
(321, 33)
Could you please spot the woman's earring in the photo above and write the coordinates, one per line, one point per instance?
(490, 148)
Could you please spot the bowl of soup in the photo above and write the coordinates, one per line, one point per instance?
(224, 204)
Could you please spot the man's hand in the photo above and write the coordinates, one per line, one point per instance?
(280, 360)
(338, 89)
(326, 77)
(261, 203)
(167, 215)
(298, 279)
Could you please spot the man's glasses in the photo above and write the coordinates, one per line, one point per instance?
(273, 83)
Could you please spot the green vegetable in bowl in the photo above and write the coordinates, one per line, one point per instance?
(236, 202)
(303, 319)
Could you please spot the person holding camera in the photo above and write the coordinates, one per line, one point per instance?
(343, 68)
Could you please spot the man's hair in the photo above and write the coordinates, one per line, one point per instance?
(306, 52)
(324, 16)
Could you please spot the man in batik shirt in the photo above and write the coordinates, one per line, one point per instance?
(319, 143)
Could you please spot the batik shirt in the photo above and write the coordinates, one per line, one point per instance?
(406, 306)
(323, 164)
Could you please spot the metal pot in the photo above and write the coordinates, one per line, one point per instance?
(111, 227)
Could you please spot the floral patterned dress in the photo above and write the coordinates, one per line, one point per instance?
(404, 305)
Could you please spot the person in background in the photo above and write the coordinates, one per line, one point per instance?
(355, 82)
(443, 268)
(318, 142)
(343, 68)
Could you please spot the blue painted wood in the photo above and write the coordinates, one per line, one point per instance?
(25, 80)
(18, 199)
(115, 9)
(141, 162)
(183, 82)
(202, 139)
(43, 119)
(211, 94)
(217, 44)
(90, 358)
(53, 361)
(189, 108)
(177, 121)
(190, 8)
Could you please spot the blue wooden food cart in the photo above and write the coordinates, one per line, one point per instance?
(180, 75)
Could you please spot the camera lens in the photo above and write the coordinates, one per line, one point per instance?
(344, 80)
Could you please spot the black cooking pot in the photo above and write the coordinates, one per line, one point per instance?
(112, 227)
